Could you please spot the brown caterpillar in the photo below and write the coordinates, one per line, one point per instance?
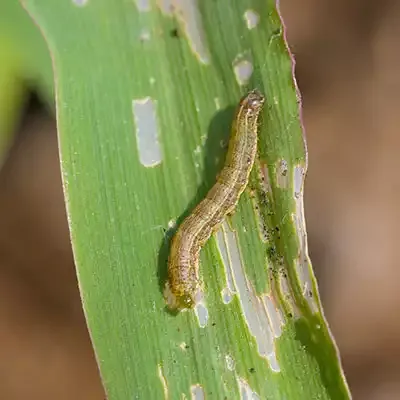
(183, 285)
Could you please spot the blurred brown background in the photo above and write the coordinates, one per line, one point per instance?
(347, 67)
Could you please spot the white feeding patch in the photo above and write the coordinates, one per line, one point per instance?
(188, 14)
(243, 70)
(144, 113)
(255, 311)
(251, 18)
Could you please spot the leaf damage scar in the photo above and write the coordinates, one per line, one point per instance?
(183, 288)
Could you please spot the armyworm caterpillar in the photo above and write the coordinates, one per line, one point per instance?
(183, 287)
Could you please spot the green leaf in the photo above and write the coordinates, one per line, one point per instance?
(25, 61)
(145, 97)
(11, 99)
(23, 44)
